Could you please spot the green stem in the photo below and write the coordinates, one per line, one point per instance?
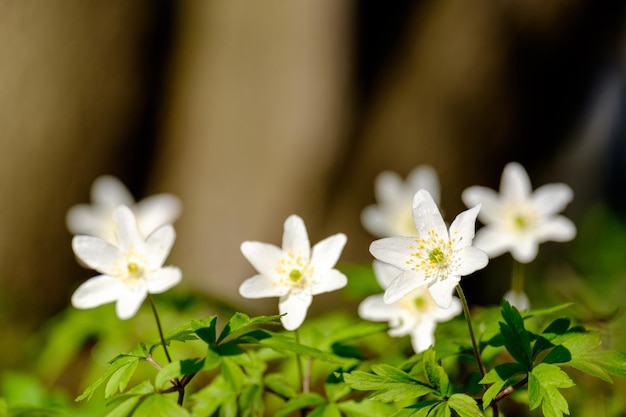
(468, 319)
(304, 375)
(158, 323)
(178, 386)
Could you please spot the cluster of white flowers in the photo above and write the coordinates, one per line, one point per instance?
(420, 261)
(126, 243)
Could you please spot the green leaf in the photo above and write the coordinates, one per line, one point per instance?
(210, 398)
(440, 410)
(464, 405)
(543, 383)
(285, 345)
(306, 400)
(516, 338)
(546, 311)
(157, 405)
(612, 360)
(240, 325)
(119, 379)
(205, 329)
(280, 385)
(391, 386)
(124, 408)
(177, 369)
(115, 364)
(232, 374)
(435, 374)
(251, 400)
(498, 378)
(365, 408)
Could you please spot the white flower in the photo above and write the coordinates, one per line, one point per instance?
(435, 257)
(129, 271)
(393, 216)
(294, 273)
(416, 313)
(108, 193)
(517, 299)
(518, 220)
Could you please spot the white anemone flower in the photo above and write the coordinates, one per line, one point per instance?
(518, 220)
(129, 271)
(415, 314)
(435, 257)
(294, 273)
(392, 216)
(108, 193)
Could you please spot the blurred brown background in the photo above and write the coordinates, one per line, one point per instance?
(251, 111)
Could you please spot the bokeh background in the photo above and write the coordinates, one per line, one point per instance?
(252, 111)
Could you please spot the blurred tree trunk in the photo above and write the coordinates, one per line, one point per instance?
(256, 112)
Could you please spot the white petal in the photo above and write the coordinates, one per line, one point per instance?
(375, 222)
(423, 336)
(83, 219)
(328, 281)
(515, 184)
(557, 229)
(388, 187)
(444, 314)
(263, 257)
(404, 284)
(295, 236)
(469, 260)
(96, 291)
(552, 198)
(155, 211)
(463, 228)
(325, 253)
(393, 250)
(427, 216)
(158, 246)
(385, 273)
(163, 279)
(374, 308)
(97, 253)
(260, 286)
(525, 249)
(492, 241)
(296, 306)
(441, 290)
(488, 198)
(130, 301)
(108, 191)
(128, 234)
(518, 300)
(425, 177)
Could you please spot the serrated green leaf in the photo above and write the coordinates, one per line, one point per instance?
(205, 329)
(498, 378)
(386, 390)
(546, 311)
(543, 383)
(306, 400)
(212, 360)
(435, 374)
(237, 321)
(116, 363)
(392, 374)
(210, 398)
(365, 408)
(282, 344)
(142, 389)
(124, 408)
(421, 409)
(251, 400)
(516, 338)
(232, 374)
(240, 325)
(280, 385)
(612, 360)
(177, 369)
(440, 410)
(119, 379)
(157, 405)
(464, 405)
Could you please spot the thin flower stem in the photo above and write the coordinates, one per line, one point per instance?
(517, 277)
(158, 322)
(304, 376)
(468, 319)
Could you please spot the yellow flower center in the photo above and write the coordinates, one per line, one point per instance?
(432, 255)
(419, 302)
(295, 270)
